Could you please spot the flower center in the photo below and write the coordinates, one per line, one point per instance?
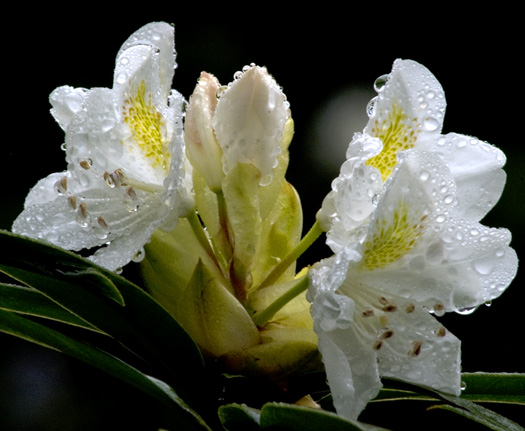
(397, 133)
(393, 237)
(147, 126)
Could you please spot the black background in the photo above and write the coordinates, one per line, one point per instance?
(323, 56)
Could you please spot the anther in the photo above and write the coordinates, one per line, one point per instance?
(386, 333)
(61, 186)
(368, 313)
(85, 164)
(114, 179)
(416, 348)
(83, 215)
(409, 308)
(377, 345)
(72, 202)
(390, 308)
(441, 331)
(102, 222)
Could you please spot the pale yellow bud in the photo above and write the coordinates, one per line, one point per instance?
(202, 148)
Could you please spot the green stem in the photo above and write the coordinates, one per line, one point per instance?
(310, 237)
(262, 317)
(202, 238)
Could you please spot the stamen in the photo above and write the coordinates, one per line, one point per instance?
(368, 313)
(101, 229)
(409, 308)
(441, 331)
(131, 200)
(386, 333)
(416, 348)
(115, 178)
(83, 218)
(439, 309)
(72, 202)
(86, 164)
(61, 186)
(377, 345)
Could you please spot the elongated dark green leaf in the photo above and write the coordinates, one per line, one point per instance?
(137, 321)
(288, 417)
(479, 414)
(35, 332)
(26, 300)
(506, 388)
(239, 417)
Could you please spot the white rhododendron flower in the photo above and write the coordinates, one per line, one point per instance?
(403, 220)
(418, 254)
(125, 158)
(407, 115)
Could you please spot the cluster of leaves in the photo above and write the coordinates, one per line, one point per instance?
(62, 301)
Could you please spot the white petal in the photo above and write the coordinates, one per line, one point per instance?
(159, 35)
(351, 368)
(354, 193)
(249, 122)
(476, 167)
(66, 102)
(409, 110)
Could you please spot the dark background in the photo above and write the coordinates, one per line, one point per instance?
(326, 59)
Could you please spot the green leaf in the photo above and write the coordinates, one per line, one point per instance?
(26, 300)
(288, 417)
(35, 332)
(479, 414)
(508, 388)
(480, 387)
(239, 417)
(137, 321)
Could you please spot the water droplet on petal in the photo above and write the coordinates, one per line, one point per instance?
(424, 176)
(430, 124)
(466, 311)
(370, 107)
(379, 83)
(139, 255)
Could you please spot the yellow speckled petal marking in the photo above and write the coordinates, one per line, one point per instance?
(146, 123)
(398, 133)
(393, 238)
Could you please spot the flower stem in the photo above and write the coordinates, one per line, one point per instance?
(262, 317)
(310, 237)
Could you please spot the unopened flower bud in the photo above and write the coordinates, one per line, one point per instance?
(202, 148)
(249, 121)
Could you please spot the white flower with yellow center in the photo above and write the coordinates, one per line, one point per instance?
(407, 115)
(418, 255)
(403, 221)
(125, 153)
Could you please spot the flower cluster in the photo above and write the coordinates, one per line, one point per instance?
(196, 192)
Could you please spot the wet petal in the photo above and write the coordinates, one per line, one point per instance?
(476, 167)
(409, 109)
(353, 194)
(351, 367)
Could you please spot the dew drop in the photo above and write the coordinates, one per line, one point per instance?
(424, 176)
(430, 124)
(121, 78)
(370, 107)
(466, 311)
(139, 255)
(463, 385)
(379, 83)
